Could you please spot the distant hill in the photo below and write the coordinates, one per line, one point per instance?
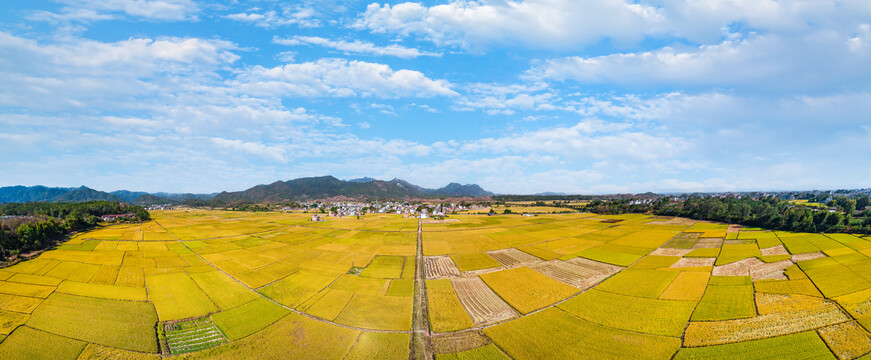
(361, 180)
(324, 187)
(19, 194)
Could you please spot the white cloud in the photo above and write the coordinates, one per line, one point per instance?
(547, 24)
(95, 10)
(792, 64)
(589, 139)
(274, 153)
(355, 47)
(302, 17)
(340, 78)
(570, 25)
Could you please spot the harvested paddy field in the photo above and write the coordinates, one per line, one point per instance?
(222, 284)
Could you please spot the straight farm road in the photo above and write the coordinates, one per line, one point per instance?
(421, 342)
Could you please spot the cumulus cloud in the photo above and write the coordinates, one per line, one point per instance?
(355, 47)
(547, 24)
(96, 10)
(274, 153)
(805, 63)
(341, 78)
(302, 17)
(571, 25)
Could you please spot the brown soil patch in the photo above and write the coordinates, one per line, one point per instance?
(706, 245)
(431, 221)
(568, 273)
(452, 343)
(439, 267)
(738, 268)
(733, 228)
(480, 302)
(770, 270)
(595, 266)
(670, 252)
(670, 221)
(774, 250)
(694, 262)
(611, 221)
(779, 315)
(512, 257)
(808, 256)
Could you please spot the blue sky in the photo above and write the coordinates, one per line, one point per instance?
(597, 96)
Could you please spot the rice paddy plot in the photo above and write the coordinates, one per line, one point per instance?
(446, 313)
(527, 290)
(121, 324)
(555, 334)
(248, 318)
(189, 336)
(387, 346)
(439, 267)
(28, 343)
(641, 283)
(805, 345)
(650, 316)
(481, 303)
(176, 296)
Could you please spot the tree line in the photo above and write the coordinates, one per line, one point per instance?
(27, 227)
(769, 213)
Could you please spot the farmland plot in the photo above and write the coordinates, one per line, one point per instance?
(480, 302)
(513, 258)
(188, 336)
(439, 267)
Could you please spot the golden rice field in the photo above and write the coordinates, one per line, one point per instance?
(238, 285)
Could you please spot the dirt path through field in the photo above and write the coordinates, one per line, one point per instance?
(421, 337)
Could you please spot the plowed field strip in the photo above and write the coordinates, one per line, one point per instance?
(480, 302)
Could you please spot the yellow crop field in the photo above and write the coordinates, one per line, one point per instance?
(377, 312)
(371, 345)
(103, 291)
(657, 317)
(27, 343)
(498, 287)
(222, 290)
(248, 318)
(688, 285)
(445, 311)
(527, 290)
(121, 324)
(554, 334)
(176, 296)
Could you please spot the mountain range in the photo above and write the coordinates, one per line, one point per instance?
(301, 189)
(325, 187)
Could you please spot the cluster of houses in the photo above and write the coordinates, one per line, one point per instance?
(342, 209)
(108, 218)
